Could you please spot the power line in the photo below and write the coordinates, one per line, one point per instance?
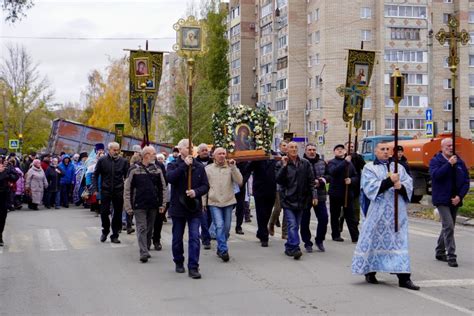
(88, 38)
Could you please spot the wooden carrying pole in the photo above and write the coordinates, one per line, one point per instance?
(190, 62)
(346, 194)
(397, 87)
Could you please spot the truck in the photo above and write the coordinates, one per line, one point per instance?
(72, 137)
(419, 153)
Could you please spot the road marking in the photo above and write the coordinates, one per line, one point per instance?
(439, 301)
(445, 283)
(1, 250)
(50, 240)
(420, 232)
(20, 242)
(79, 240)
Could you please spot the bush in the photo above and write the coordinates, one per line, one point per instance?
(468, 205)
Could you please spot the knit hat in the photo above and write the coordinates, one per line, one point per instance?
(83, 155)
(99, 146)
(339, 146)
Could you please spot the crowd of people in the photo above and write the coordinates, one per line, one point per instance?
(202, 191)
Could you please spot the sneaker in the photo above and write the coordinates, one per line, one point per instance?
(309, 249)
(442, 257)
(194, 274)
(297, 254)
(452, 263)
(409, 285)
(224, 256)
(264, 243)
(144, 259)
(338, 239)
(130, 230)
(115, 240)
(103, 238)
(158, 246)
(271, 229)
(207, 246)
(180, 268)
(320, 246)
(288, 253)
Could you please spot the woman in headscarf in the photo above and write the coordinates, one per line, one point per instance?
(35, 184)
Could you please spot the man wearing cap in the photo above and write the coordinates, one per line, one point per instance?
(403, 160)
(342, 173)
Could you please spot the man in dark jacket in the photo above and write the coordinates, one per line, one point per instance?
(160, 216)
(342, 175)
(186, 207)
(297, 193)
(8, 175)
(445, 168)
(403, 160)
(52, 193)
(144, 195)
(320, 210)
(113, 170)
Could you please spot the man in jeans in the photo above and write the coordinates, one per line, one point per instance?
(275, 216)
(221, 199)
(144, 193)
(186, 207)
(297, 193)
(447, 196)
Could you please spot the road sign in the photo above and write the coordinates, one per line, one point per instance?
(429, 129)
(429, 114)
(14, 143)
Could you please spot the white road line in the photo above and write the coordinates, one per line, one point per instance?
(79, 240)
(50, 240)
(445, 283)
(20, 241)
(439, 301)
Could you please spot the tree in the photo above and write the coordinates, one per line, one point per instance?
(28, 98)
(16, 9)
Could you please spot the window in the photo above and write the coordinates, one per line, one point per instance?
(389, 124)
(367, 103)
(317, 103)
(310, 82)
(416, 79)
(317, 81)
(282, 41)
(265, 49)
(446, 18)
(471, 125)
(405, 11)
(310, 17)
(447, 105)
(471, 38)
(317, 37)
(471, 80)
(405, 124)
(316, 15)
(317, 126)
(234, 12)
(235, 30)
(365, 13)
(281, 84)
(366, 125)
(235, 47)
(235, 63)
(309, 106)
(280, 105)
(281, 3)
(265, 69)
(448, 1)
(448, 126)
(310, 39)
(471, 60)
(235, 80)
(447, 84)
(445, 62)
(235, 97)
(316, 59)
(282, 63)
(310, 61)
(471, 102)
(409, 101)
(406, 56)
(471, 16)
(266, 10)
(266, 88)
(405, 33)
(266, 29)
(366, 35)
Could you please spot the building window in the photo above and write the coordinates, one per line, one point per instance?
(281, 3)
(235, 30)
(266, 29)
(365, 13)
(317, 37)
(282, 63)
(310, 61)
(282, 41)
(317, 103)
(265, 49)
(471, 16)
(471, 38)
(316, 59)
(366, 35)
(234, 12)
(310, 81)
(446, 18)
(317, 81)
(309, 106)
(235, 97)
(266, 10)
(448, 126)
(367, 103)
(310, 38)
(448, 1)
(235, 47)
(447, 105)
(416, 79)
(366, 125)
(445, 62)
(447, 84)
(406, 56)
(405, 33)
(235, 64)
(471, 80)
(265, 69)
(235, 80)
(280, 105)
(471, 102)
(281, 84)
(317, 126)
(316, 15)
(389, 124)
(471, 125)
(405, 11)
(409, 101)
(310, 17)
(408, 124)
(266, 88)
(471, 60)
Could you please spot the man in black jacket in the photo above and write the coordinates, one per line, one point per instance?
(184, 211)
(297, 193)
(8, 175)
(342, 174)
(113, 170)
(144, 195)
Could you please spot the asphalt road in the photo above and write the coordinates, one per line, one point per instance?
(54, 264)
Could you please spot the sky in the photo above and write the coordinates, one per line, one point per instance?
(67, 62)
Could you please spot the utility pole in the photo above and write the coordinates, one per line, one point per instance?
(5, 117)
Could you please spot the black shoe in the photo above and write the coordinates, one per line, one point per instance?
(370, 278)
(264, 243)
(443, 258)
(409, 285)
(194, 274)
(288, 253)
(1, 243)
(130, 230)
(115, 240)
(148, 256)
(48, 207)
(239, 231)
(338, 239)
(158, 246)
(309, 249)
(180, 268)
(297, 254)
(248, 220)
(320, 246)
(452, 263)
(103, 238)
(207, 246)
(224, 256)
(144, 259)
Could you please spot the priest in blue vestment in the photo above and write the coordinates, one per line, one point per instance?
(380, 248)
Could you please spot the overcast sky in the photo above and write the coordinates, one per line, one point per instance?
(66, 62)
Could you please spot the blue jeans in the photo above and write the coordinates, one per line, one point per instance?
(293, 220)
(179, 224)
(321, 212)
(222, 217)
(205, 222)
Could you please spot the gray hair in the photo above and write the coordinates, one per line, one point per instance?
(202, 146)
(148, 150)
(183, 143)
(113, 145)
(445, 141)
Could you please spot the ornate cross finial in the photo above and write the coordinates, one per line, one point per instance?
(453, 37)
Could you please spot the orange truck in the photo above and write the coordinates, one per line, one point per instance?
(419, 153)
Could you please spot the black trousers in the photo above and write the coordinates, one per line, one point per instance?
(240, 207)
(117, 201)
(158, 226)
(4, 200)
(336, 205)
(263, 208)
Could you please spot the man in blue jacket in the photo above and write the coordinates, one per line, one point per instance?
(186, 207)
(448, 197)
(67, 179)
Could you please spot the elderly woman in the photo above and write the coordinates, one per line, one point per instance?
(35, 184)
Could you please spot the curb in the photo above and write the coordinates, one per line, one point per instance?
(466, 221)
